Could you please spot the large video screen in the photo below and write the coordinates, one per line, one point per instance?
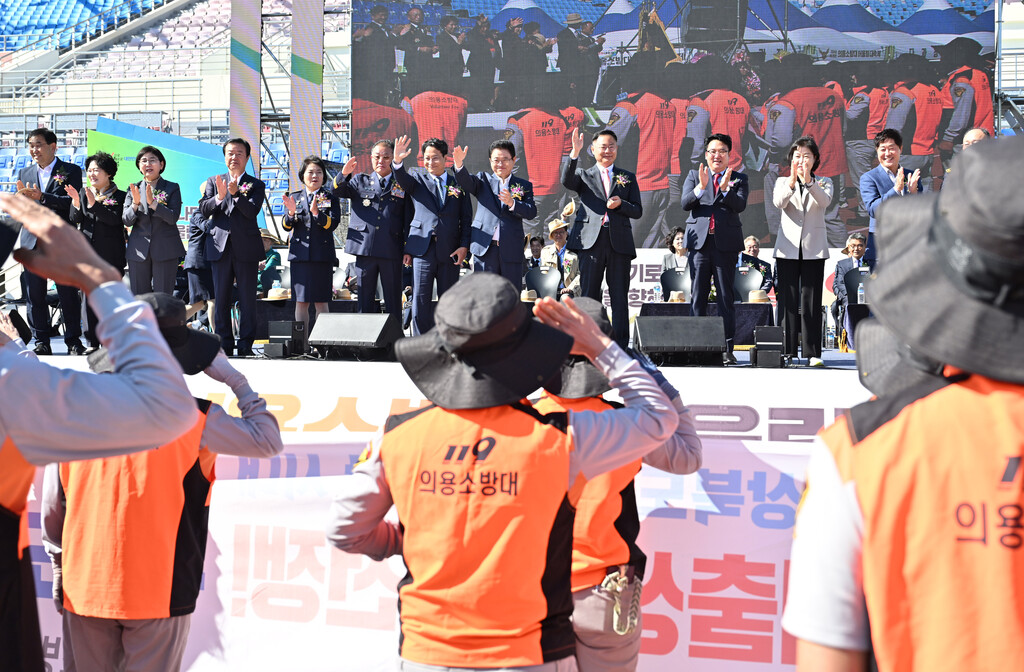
(667, 74)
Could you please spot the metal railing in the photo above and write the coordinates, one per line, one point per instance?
(1011, 72)
(84, 31)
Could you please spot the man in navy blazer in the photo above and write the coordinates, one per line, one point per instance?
(715, 196)
(503, 202)
(45, 182)
(380, 212)
(602, 234)
(438, 239)
(231, 202)
(884, 181)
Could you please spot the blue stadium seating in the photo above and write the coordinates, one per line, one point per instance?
(32, 18)
(6, 162)
(277, 205)
(21, 161)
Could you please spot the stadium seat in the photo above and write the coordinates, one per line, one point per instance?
(277, 205)
(6, 162)
(21, 161)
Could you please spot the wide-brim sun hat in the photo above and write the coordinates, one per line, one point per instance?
(563, 222)
(888, 366)
(486, 349)
(950, 283)
(579, 378)
(195, 350)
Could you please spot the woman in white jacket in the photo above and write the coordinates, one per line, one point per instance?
(802, 248)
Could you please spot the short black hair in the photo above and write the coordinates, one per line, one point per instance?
(502, 144)
(889, 134)
(379, 9)
(390, 144)
(536, 239)
(312, 160)
(237, 141)
(721, 137)
(48, 136)
(606, 131)
(104, 162)
(808, 143)
(445, 20)
(150, 149)
(437, 143)
(672, 236)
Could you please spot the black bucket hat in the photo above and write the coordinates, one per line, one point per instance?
(887, 366)
(485, 350)
(578, 378)
(952, 287)
(194, 349)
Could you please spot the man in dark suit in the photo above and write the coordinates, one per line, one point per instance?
(45, 182)
(450, 63)
(438, 239)
(373, 54)
(602, 234)
(503, 202)
(748, 257)
(856, 245)
(884, 181)
(380, 214)
(231, 202)
(419, 49)
(569, 55)
(715, 196)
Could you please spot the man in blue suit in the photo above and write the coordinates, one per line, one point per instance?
(884, 181)
(503, 202)
(602, 234)
(231, 202)
(45, 182)
(438, 239)
(715, 196)
(380, 215)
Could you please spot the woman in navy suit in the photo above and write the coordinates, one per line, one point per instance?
(96, 210)
(151, 209)
(313, 214)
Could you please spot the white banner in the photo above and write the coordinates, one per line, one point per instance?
(276, 596)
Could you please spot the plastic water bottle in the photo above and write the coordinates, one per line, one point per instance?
(657, 294)
(830, 338)
(276, 285)
(860, 294)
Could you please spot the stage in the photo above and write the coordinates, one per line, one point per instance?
(717, 541)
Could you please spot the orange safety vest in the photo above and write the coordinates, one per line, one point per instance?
(439, 115)
(20, 642)
(728, 113)
(372, 122)
(574, 118)
(544, 136)
(939, 477)
(135, 529)
(819, 112)
(482, 497)
(655, 127)
(983, 112)
(607, 522)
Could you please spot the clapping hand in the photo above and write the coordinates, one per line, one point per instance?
(289, 204)
(459, 156)
(901, 180)
(723, 186)
(914, 179)
(76, 199)
(222, 188)
(704, 176)
(403, 148)
(90, 196)
(313, 209)
(30, 190)
(136, 196)
(150, 198)
(577, 143)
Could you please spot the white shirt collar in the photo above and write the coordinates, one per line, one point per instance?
(47, 169)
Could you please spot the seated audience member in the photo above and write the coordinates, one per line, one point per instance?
(677, 256)
(557, 256)
(906, 551)
(96, 210)
(271, 261)
(856, 244)
(749, 258)
(128, 565)
(975, 135)
(197, 269)
(533, 261)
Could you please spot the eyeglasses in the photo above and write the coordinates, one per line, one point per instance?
(718, 152)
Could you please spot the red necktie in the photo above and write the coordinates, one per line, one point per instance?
(714, 191)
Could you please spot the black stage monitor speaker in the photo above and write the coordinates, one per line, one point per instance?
(292, 333)
(357, 336)
(681, 341)
(715, 24)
